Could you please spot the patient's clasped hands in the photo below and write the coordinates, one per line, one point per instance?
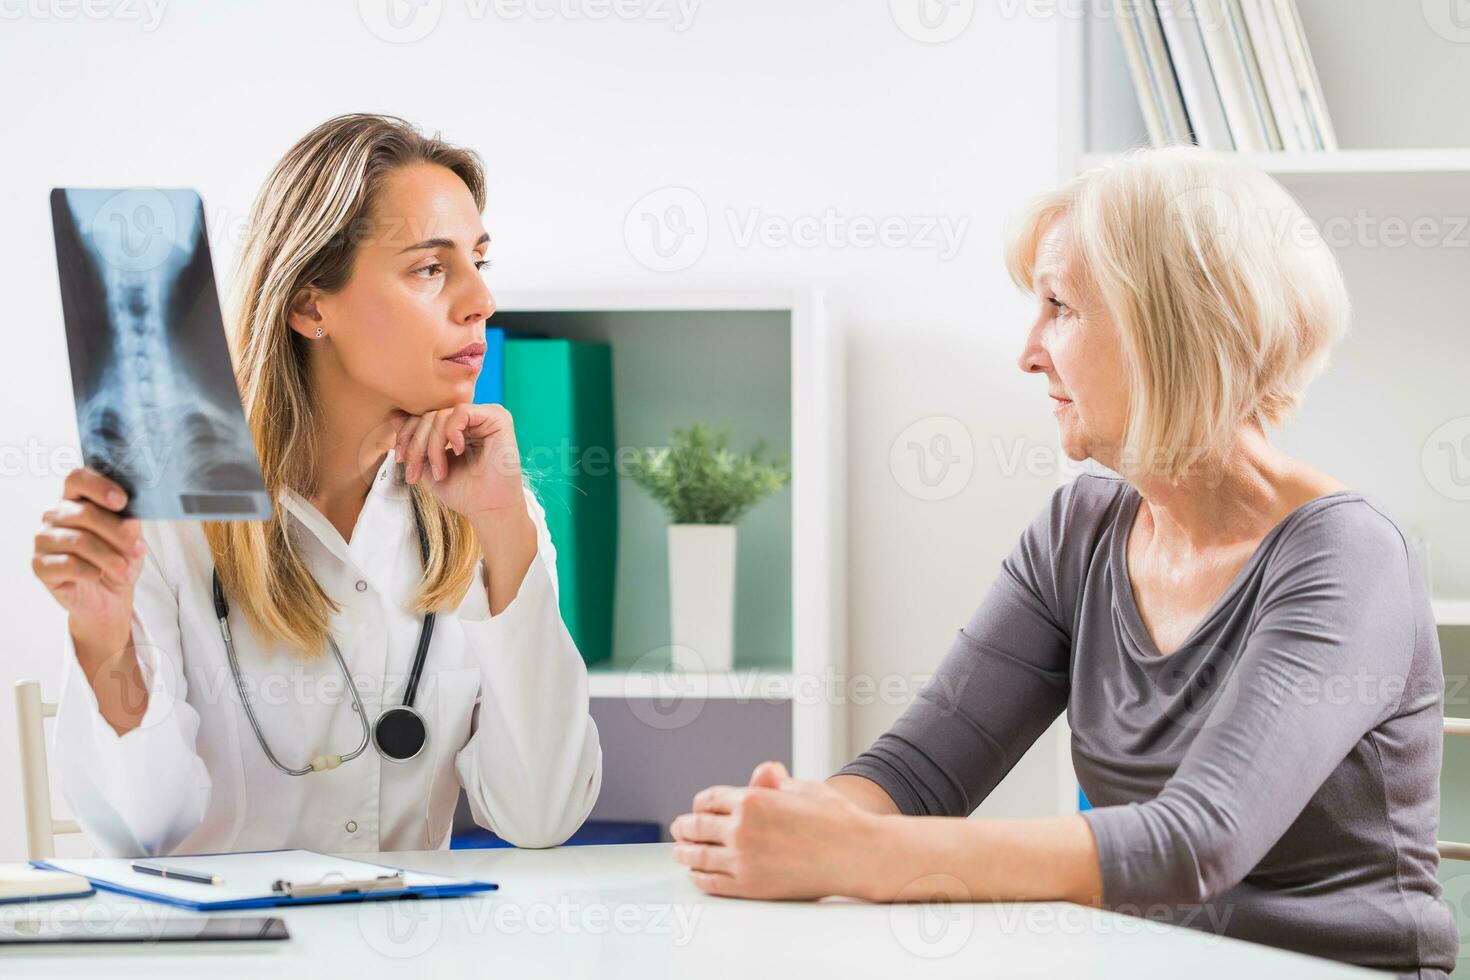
(780, 838)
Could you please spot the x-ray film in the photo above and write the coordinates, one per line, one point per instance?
(157, 405)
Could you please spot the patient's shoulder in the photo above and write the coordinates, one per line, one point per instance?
(1085, 506)
(1347, 529)
(1071, 525)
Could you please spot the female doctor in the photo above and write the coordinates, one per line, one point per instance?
(281, 707)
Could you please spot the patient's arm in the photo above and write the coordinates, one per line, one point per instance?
(865, 793)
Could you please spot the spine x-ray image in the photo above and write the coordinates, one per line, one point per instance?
(157, 405)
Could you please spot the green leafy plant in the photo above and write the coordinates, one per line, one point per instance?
(698, 480)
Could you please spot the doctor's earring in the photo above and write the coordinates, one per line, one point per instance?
(318, 332)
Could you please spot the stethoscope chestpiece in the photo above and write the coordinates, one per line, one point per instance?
(400, 734)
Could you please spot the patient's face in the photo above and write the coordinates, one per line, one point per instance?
(416, 294)
(1076, 345)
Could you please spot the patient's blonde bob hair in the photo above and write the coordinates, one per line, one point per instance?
(1225, 297)
(303, 231)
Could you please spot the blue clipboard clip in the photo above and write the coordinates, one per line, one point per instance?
(342, 886)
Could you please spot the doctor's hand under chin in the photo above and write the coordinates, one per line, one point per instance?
(466, 455)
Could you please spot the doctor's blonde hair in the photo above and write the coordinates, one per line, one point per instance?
(1226, 298)
(301, 233)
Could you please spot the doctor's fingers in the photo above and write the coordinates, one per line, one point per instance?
(454, 431)
(66, 554)
(438, 438)
(85, 483)
(703, 828)
(125, 534)
(418, 445)
(404, 437)
(57, 570)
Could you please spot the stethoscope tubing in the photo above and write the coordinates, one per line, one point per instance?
(320, 763)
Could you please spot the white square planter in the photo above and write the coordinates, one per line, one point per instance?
(702, 596)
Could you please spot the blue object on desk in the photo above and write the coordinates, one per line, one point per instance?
(591, 832)
(1082, 803)
(49, 898)
(105, 873)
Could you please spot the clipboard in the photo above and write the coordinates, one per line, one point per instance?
(265, 879)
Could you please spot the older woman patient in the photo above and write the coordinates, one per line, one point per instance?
(1244, 646)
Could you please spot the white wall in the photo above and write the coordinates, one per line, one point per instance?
(774, 108)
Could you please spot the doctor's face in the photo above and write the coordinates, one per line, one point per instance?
(1076, 345)
(416, 295)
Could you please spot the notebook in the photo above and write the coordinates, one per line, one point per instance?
(21, 883)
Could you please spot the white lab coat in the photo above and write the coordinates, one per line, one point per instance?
(504, 698)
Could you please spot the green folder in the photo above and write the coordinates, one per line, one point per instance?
(560, 394)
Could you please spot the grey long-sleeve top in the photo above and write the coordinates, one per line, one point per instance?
(1274, 779)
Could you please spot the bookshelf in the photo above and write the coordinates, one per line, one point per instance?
(764, 365)
(1368, 164)
(1452, 612)
(1397, 380)
(1448, 168)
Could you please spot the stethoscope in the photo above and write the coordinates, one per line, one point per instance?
(399, 734)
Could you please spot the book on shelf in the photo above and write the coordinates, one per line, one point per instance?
(1292, 127)
(490, 385)
(1152, 71)
(1226, 74)
(1309, 86)
(1202, 102)
(1241, 48)
(560, 394)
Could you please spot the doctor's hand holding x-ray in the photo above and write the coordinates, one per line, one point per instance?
(90, 558)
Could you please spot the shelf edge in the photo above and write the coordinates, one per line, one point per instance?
(737, 685)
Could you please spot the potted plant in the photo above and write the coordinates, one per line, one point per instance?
(706, 488)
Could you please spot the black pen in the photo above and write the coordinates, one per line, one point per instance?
(198, 877)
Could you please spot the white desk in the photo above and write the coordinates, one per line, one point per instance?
(630, 911)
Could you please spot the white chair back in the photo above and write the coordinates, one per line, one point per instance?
(30, 718)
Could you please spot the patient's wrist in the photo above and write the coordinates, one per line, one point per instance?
(877, 864)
